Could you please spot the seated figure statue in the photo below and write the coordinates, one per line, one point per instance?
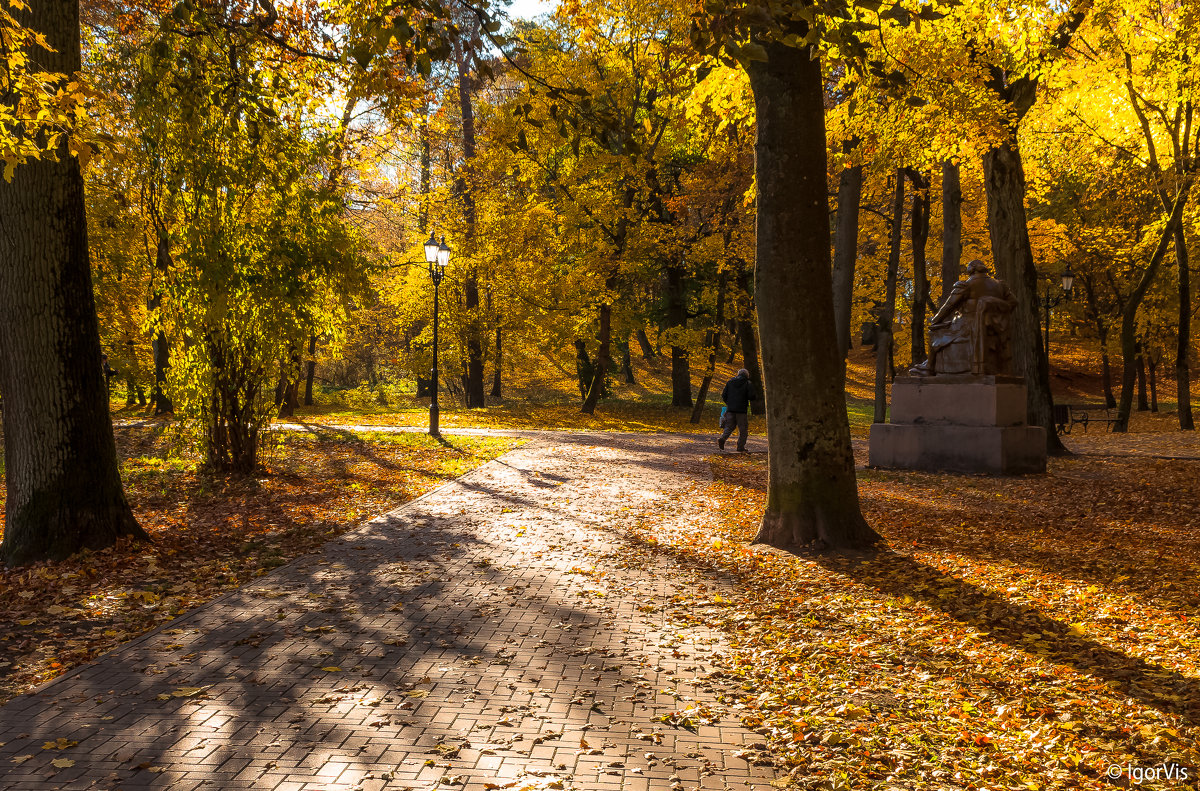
(969, 334)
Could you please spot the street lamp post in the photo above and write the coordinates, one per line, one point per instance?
(1049, 301)
(437, 256)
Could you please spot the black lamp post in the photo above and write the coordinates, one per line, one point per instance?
(437, 256)
(1049, 301)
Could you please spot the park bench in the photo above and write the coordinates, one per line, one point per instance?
(1067, 415)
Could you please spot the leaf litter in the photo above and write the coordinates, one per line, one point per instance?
(1015, 633)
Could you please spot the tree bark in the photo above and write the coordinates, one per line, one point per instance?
(64, 487)
(1004, 184)
(883, 346)
(812, 496)
(951, 227)
(1183, 348)
(845, 247)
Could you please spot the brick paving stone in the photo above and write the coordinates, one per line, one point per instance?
(487, 633)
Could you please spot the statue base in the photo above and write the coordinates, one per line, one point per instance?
(959, 423)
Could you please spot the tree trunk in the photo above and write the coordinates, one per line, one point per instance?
(1004, 184)
(627, 363)
(602, 357)
(1093, 309)
(883, 347)
(714, 346)
(1110, 400)
(496, 381)
(584, 370)
(1130, 308)
(1183, 349)
(749, 342)
(64, 487)
(845, 247)
(474, 382)
(310, 372)
(681, 374)
(920, 236)
(1142, 404)
(951, 227)
(1152, 365)
(648, 352)
(159, 347)
(812, 496)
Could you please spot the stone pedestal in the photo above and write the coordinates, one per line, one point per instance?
(959, 424)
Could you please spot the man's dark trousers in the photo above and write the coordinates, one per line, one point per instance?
(742, 423)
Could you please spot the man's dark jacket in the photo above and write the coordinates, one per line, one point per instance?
(738, 394)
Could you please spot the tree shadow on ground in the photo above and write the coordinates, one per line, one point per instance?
(1021, 627)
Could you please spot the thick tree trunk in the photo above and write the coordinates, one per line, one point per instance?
(845, 247)
(951, 227)
(1183, 348)
(1004, 183)
(310, 370)
(64, 488)
(1130, 308)
(681, 374)
(920, 236)
(812, 496)
(884, 367)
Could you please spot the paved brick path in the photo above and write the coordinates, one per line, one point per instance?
(490, 634)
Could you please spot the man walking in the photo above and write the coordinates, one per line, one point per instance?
(737, 395)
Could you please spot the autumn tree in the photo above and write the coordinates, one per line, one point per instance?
(812, 497)
(64, 488)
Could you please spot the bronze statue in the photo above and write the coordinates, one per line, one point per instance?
(969, 334)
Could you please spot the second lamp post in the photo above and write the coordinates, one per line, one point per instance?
(437, 256)
(1049, 301)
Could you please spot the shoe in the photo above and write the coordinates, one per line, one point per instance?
(721, 444)
(742, 450)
